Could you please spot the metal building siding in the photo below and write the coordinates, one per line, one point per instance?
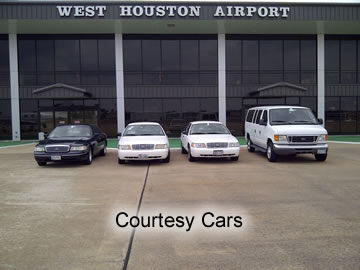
(342, 90)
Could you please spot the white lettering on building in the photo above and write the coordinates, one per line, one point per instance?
(173, 11)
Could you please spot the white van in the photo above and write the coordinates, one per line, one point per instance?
(285, 130)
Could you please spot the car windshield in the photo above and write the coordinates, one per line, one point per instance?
(71, 131)
(209, 128)
(143, 130)
(292, 116)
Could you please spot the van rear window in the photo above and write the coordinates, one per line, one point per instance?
(250, 116)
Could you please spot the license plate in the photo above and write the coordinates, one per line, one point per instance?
(143, 156)
(218, 152)
(321, 151)
(55, 157)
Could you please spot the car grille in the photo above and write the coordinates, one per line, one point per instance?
(302, 139)
(142, 147)
(217, 145)
(57, 148)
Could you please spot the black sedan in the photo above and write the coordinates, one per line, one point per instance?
(71, 143)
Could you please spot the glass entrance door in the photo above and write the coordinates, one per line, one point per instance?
(46, 121)
(61, 118)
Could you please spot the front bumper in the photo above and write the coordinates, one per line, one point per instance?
(143, 154)
(69, 156)
(286, 149)
(215, 152)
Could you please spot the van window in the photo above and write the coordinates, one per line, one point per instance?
(255, 115)
(258, 117)
(250, 115)
(265, 116)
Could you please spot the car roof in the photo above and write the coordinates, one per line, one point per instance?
(205, 122)
(143, 123)
(277, 107)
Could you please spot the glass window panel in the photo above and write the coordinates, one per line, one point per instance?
(189, 55)
(27, 55)
(4, 56)
(67, 55)
(271, 77)
(332, 115)
(132, 55)
(106, 55)
(250, 55)
(107, 78)
(271, 55)
(233, 54)
(151, 55)
(91, 102)
(332, 77)
(292, 100)
(45, 78)
(29, 119)
(170, 55)
(208, 78)
(291, 55)
(271, 101)
(133, 78)
(45, 103)
(308, 55)
(89, 55)
(152, 78)
(152, 105)
(108, 116)
(309, 102)
(348, 51)
(68, 77)
(134, 105)
(190, 78)
(251, 77)
(5, 120)
(171, 78)
(89, 78)
(45, 55)
(332, 62)
(208, 55)
(233, 78)
(292, 77)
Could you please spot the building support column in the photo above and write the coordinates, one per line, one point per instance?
(14, 87)
(321, 77)
(119, 63)
(222, 78)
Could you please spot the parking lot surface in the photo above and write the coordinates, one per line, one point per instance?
(297, 213)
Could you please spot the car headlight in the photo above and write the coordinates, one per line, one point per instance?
(124, 147)
(161, 146)
(280, 138)
(78, 148)
(198, 145)
(323, 138)
(39, 149)
(234, 144)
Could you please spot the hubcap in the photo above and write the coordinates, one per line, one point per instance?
(105, 149)
(248, 144)
(269, 152)
(90, 156)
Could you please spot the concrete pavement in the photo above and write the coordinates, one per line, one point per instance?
(298, 213)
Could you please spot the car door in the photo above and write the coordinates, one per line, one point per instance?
(184, 136)
(261, 130)
(254, 136)
(98, 140)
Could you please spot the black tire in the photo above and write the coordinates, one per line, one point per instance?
(41, 163)
(89, 159)
(167, 159)
(189, 156)
(321, 157)
(270, 153)
(183, 151)
(121, 161)
(250, 148)
(235, 158)
(104, 151)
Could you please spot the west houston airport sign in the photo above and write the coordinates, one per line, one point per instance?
(148, 11)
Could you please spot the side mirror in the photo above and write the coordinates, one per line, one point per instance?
(118, 134)
(183, 132)
(320, 121)
(262, 122)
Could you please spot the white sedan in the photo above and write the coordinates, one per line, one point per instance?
(209, 139)
(143, 141)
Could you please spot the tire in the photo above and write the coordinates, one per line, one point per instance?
(183, 151)
(235, 158)
(321, 157)
(250, 148)
(41, 163)
(121, 161)
(189, 156)
(270, 153)
(104, 151)
(89, 158)
(167, 159)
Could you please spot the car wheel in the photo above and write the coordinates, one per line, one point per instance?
(121, 161)
(189, 156)
(250, 148)
(89, 158)
(104, 151)
(183, 151)
(321, 157)
(41, 163)
(235, 158)
(167, 159)
(270, 153)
